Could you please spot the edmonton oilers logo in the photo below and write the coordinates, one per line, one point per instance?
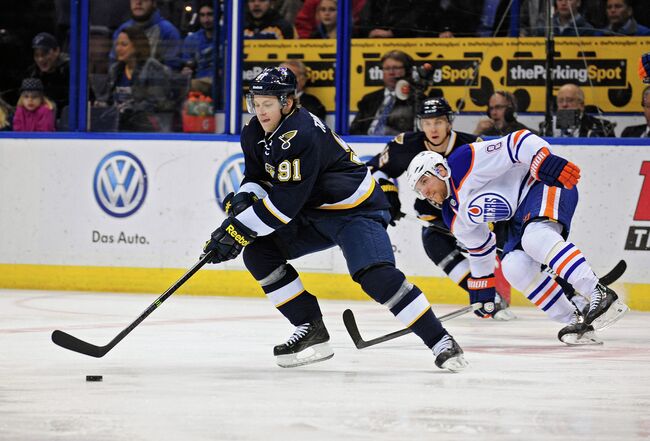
(488, 207)
(120, 184)
(229, 176)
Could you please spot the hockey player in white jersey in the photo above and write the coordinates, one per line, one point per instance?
(517, 177)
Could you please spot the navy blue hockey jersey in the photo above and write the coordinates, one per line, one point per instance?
(302, 166)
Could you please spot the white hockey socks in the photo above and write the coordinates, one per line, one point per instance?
(542, 290)
(543, 242)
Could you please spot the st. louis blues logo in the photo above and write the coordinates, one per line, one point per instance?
(229, 176)
(120, 184)
(488, 207)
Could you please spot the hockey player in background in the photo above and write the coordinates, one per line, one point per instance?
(304, 190)
(517, 177)
(434, 122)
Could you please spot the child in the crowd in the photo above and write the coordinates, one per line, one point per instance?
(34, 111)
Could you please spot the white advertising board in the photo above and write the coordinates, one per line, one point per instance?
(152, 204)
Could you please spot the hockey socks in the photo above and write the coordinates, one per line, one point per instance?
(285, 290)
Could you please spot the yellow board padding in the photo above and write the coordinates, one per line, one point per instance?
(240, 283)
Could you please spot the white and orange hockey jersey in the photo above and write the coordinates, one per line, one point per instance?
(489, 180)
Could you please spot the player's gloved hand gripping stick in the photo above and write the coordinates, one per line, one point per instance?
(225, 243)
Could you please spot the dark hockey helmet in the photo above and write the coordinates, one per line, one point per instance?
(434, 107)
(276, 81)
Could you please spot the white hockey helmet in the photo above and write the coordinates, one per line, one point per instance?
(427, 162)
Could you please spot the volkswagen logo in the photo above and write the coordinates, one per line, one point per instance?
(120, 184)
(229, 176)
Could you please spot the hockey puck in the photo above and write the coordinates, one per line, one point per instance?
(94, 378)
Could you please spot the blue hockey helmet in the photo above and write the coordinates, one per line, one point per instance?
(276, 81)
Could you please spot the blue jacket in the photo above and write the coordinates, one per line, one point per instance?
(198, 48)
(630, 28)
(163, 36)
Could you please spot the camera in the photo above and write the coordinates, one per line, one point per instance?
(567, 119)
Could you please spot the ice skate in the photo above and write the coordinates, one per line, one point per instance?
(307, 345)
(604, 308)
(502, 310)
(449, 355)
(578, 333)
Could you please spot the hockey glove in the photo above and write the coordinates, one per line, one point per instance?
(391, 192)
(553, 170)
(482, 291)
(233, 204)
(229, 240)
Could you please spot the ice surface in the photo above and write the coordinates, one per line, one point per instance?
(201, 368)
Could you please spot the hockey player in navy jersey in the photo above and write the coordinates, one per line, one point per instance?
(434, 121)
(517, 177)
(304, 190)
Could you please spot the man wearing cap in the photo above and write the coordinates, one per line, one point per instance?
(52, 67)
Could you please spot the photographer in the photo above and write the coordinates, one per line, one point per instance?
(387, 111)
(572, 120)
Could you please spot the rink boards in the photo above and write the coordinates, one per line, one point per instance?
(130, 215)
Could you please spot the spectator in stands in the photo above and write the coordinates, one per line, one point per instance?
(307, 20)
(288, 8)
(381, 112)
(532, 18)
(573, 118)
(326, 17)
(567, 21)
(306, 100)
(198, 51)
(395, 19)
(264, 22)
(457, 18)
(502, 116)
(34, 111)
(164, 38)
(52, 67)
(642, 130)
(6, 116)
(621, 22)
(138, 84)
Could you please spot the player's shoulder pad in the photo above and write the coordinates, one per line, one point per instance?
(466, 138)
(299, 131)
(460, 162)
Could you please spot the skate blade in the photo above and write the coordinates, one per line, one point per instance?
(613, 314)
(455, 364)
(504, 315)
(588, 338)
(312, 354)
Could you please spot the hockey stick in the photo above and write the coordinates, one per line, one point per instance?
(614, 274)
(72, 343)
(351, 325)
(353, 329)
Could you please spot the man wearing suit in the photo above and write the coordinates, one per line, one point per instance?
(382, 112)
(306, 100)
(642, 130)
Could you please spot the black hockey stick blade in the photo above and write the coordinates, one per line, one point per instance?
(72, 343)
(351, 325)
(614, 274)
